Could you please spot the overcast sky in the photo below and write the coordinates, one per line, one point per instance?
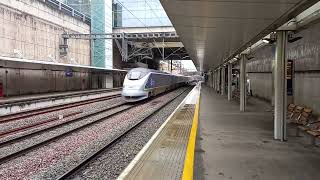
(188, 64)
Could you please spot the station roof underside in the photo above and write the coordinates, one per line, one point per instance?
(213, 31)
(16, 63)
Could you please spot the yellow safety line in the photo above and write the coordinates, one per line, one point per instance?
(189, 158)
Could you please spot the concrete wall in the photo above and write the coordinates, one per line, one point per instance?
(26, 81)
(29, 29)
(101, 22)
(118, 78)
(117, 58)
(261, 85)
(306, 89)
(32, 30)
(259, 72)
(305, 54)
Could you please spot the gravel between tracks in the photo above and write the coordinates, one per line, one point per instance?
(114, 160)
(44, 117)
(4, 151)
(52, 160)
(85, 109)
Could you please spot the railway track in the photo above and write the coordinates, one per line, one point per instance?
(92, 156)
(21, 116)
(51, 139)
(34, 112)
(35, 125)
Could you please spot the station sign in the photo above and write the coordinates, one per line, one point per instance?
(1, 89)
(289, 77)
(69, 72)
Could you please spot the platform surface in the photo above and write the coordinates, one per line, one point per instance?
(164, 156)
(240, 146)
(15, 99)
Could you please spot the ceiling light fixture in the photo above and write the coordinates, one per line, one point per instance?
(265, 41)
(293, 39)
(268, 40)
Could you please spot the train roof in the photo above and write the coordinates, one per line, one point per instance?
(145, 70)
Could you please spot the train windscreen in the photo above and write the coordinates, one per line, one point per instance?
(136, 75)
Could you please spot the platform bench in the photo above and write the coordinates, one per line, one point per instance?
(312, 129)
(236, 95)
(294, 112)
(304, 124)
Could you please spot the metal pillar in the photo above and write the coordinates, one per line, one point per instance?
(243, 82)
(171, 66)
(272, 84)
(229, 81)
(163, 50)
(223, 80)
(209, 79)
(280, 84)
(219, 80)
(213, 80)
(124, 49)
(91, 52)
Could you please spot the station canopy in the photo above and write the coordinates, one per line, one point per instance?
(215, 30)
(17, 63)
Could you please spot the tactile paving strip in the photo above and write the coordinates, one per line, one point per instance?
(164, 159)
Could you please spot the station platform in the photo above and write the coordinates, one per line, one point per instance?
(163, 157)
(229, 144)
(239, 145)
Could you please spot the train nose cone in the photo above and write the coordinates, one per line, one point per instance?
(133, 92)
(131, 87)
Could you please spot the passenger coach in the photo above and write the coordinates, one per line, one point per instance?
(141, 83)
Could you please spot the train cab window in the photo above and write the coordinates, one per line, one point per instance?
(136, 75)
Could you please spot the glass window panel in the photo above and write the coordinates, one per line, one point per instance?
(140, 13)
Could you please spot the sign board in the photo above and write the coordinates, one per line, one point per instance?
(1, 89)
(69, 72)
(289, 78)
(289, 69)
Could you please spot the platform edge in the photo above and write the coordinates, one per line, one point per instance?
(131, 165)
(189, 157)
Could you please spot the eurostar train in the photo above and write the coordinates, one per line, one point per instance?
(141, 83)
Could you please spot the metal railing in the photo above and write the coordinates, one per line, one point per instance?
(68, 10)
(149, 35)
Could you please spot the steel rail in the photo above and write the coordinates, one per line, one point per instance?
(34, 112)
(25, 150)
(92, 156)
(58, 96)
(33, 125)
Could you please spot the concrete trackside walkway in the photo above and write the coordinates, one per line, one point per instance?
(240, 146)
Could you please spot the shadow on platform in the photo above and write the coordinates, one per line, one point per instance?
(239, 145)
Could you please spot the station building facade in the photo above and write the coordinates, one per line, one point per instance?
(139, 13)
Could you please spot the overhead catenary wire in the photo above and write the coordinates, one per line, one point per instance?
(143, 23)
(147, 27)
